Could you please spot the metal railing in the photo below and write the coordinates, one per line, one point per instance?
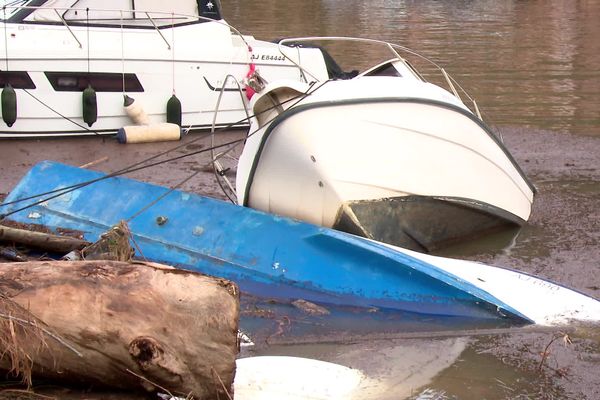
(396, 51)
(152, 17)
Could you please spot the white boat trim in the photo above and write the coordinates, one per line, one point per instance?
(544, 302)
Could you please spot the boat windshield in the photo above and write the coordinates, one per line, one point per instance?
(11, 7)
(133, 12)
(111, 12)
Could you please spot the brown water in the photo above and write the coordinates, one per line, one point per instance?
(527, 63)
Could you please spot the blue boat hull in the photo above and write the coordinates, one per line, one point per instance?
(266, 255)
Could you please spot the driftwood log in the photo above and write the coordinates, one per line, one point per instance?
(118, 324)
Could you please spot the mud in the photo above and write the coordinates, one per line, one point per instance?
(561, 243)
(18, 156)
(51, 392)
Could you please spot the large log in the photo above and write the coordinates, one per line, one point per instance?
(124, 325)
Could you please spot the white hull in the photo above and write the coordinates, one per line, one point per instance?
(353, 149)
(544, 302)
(191, 60)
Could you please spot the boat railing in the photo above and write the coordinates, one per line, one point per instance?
(218, 168)
(68, 28)
(397, 50)
(153, 19)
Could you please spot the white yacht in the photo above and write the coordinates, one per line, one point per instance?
(148, 50)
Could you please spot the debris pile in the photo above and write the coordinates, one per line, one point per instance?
(111, 322)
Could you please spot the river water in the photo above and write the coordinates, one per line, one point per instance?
(534, 69)
(527, 63)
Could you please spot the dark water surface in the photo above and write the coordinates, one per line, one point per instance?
(527, 63)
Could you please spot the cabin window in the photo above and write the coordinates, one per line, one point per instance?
(135, 13)
(17, 79)
(101, 82)
(386, 69)
(9, 9)
(128, 13)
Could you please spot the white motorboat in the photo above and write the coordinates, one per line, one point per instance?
(148, 50)
(385, 155)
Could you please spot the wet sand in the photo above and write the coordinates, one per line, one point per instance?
(561, 243)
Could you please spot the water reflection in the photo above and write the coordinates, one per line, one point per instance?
(533, 64)
(477, 375)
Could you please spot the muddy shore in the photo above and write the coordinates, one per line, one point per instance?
(561, 243)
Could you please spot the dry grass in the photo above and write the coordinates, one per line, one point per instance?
(112, 245)
(22, 338)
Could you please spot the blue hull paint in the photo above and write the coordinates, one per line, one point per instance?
(266, 255)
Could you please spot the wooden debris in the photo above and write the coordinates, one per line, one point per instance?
(41, 240)
(310, 308)
(109, 323)
(112, 245)
(95, 162)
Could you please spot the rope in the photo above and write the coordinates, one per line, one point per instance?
(69, 189)
(162, 196)
(212, 131)
(59, 114)
(133, 167)
(138, 166)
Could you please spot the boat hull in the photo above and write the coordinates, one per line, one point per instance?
(267, 256)
(374, 164)
(272, 257)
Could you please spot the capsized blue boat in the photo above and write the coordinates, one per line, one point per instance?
(265, 255)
